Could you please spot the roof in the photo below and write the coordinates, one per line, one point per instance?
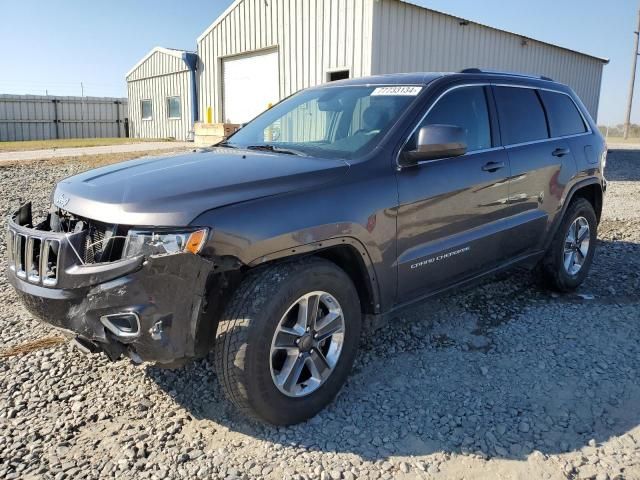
(409, 2)
(418, 78)
(425, 78)
(174, 52)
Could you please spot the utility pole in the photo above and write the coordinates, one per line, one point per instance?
(627, 124)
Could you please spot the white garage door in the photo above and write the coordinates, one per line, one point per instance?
(250, 84)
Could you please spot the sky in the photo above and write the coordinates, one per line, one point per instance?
(54, 46)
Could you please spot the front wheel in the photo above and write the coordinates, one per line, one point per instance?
(288, 339)
(567, 262)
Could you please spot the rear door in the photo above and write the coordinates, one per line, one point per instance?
(537, 174)
(451, 217)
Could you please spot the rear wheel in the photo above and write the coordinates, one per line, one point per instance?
(288, 339)
(568, 259)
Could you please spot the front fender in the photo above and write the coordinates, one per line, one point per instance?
(359, 214)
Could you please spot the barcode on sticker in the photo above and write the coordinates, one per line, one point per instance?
(403, 90)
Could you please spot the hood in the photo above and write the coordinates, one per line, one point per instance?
(173, 190)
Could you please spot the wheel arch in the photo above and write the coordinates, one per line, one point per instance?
(589, 189)
(345, 252)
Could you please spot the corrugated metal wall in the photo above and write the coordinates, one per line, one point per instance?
(33, 117)
(312, 37)
(410, 38)
(161, 76)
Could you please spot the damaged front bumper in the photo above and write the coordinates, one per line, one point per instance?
(148, 308)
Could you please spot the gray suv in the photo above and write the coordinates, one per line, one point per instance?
(314, 223)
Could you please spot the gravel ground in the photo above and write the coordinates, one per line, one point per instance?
(501, 381)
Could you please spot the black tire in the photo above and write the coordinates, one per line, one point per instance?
(554, 274)
(246, 329)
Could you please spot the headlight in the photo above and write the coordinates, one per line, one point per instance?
(145, 242)
(603, 159)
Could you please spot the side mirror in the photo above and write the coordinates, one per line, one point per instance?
(434, 142)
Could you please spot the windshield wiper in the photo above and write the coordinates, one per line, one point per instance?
(272, 148)
(226, 145)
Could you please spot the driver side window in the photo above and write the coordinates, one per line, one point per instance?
(464, 107)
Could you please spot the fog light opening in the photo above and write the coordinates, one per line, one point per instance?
(123, 325)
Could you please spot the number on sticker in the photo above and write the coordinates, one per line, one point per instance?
(402, 90)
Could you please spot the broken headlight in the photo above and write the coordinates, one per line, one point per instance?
(140, 242)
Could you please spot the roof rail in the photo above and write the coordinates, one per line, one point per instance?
(495, 72)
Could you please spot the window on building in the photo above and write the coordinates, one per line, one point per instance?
(521, 115)
(564, 117)
(147, 110)
(465, 108)
(173, 107)
(337, 75)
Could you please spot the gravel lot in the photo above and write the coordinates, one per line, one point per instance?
(501, 381)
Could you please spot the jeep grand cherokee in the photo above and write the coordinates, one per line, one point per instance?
(324, 215)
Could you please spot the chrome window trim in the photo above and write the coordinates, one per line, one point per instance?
(475, 152)
(492, 84)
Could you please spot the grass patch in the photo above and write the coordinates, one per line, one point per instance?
(71, 143)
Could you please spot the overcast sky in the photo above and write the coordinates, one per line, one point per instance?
(55, 45)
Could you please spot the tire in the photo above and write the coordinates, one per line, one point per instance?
(555, 273)
(245, 360)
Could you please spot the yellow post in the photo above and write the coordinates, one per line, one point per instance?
(209, 115)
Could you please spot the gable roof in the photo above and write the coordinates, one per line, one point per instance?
(168, 51)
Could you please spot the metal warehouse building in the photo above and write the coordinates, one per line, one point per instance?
(260, 51)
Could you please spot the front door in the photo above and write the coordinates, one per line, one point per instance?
(453, 212)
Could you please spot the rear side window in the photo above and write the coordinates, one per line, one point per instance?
(521, 115)
(564, 117)
(466, 108)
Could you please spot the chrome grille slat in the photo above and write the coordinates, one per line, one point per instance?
(11, 261)
(49, 277)
(21, 244)
(34, 244)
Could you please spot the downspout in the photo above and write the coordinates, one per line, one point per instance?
(191, 60)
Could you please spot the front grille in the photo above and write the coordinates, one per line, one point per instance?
(32, 258)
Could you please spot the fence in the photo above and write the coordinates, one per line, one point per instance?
(32, 117)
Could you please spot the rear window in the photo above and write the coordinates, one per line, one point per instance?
(564, 117)
(521, 115)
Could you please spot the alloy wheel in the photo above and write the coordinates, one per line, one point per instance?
(307, 344)
(576, 245)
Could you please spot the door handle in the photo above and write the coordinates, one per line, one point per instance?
(493, 166)
(561, 152)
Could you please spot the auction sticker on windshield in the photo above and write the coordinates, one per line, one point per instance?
(401, 90)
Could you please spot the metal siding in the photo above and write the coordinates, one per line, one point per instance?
(158, 89)
(32, 117)
(312, 37)
(403, 29)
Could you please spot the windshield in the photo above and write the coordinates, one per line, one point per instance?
(336, 122)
